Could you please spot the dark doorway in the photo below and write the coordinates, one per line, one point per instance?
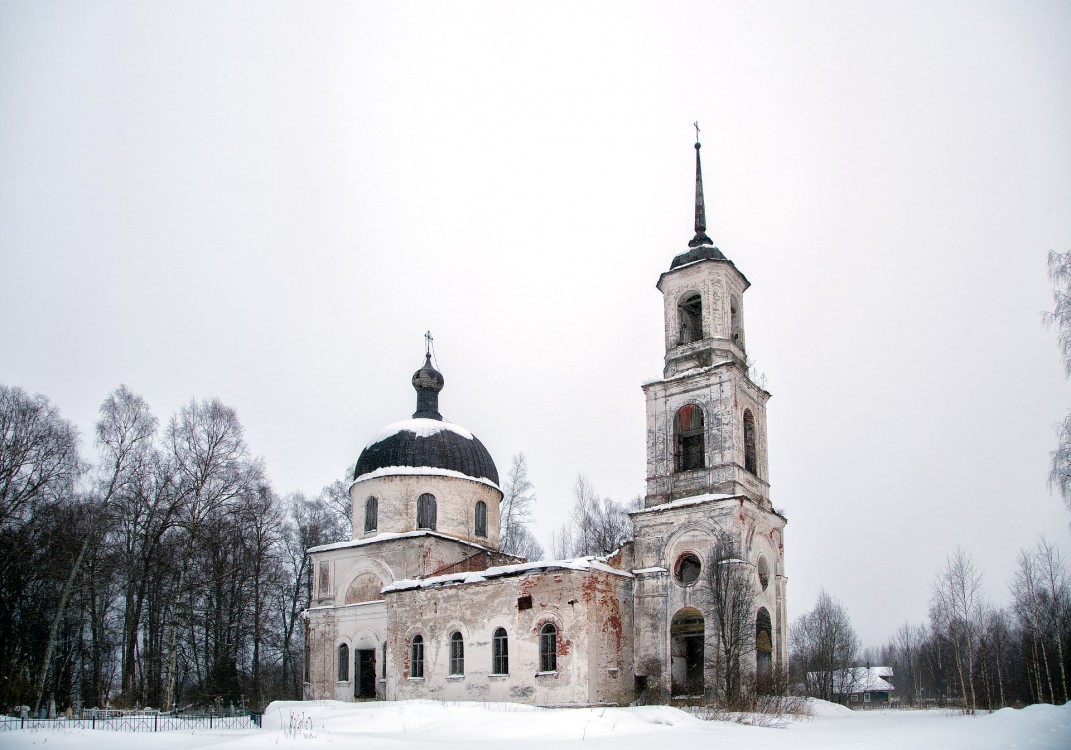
(365, 684)
(686, 652)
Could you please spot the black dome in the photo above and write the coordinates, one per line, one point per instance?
(428, 443)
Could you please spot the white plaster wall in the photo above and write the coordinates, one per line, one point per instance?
(661, 538)
(591, 609)
(331, 620)
(455, 499)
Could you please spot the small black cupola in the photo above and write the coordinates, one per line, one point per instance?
(428, 382)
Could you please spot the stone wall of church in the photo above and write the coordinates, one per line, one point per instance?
(348, 606)
(662, 540)
(723, 393)
(591, 611)
(455, 500)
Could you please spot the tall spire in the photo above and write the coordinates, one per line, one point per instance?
(700, 208)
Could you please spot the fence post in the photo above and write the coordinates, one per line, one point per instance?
(156, 722)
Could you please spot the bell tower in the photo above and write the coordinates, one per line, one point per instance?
(706, 418)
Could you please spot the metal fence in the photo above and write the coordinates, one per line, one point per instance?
(133, 722)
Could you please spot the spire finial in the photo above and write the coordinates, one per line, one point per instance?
(700, 208)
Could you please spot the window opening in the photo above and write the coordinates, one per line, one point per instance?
(371, 514)
(750, 459)
(500, 652)
(687, 644)
(734, 321)
(690, 314)
(416, 656)
(457, 654)
(426, 512)
(687, 569)
(343, 663)
(383, 669)
(763, 651)
(764, 573)
(481, 518)
(548, 648)
(688, 428)
(308, 655)
(524, 602)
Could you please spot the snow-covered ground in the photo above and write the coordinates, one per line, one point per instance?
(455, 726)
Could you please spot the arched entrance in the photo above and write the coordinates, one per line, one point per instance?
(686, 652)
(763, 651)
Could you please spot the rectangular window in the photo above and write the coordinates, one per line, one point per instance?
(524, 602)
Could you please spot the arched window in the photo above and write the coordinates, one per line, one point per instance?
(416, 656)
(457, 654)
(425, 515)
(548, 648)
(763, 649)
(690, 315)
(499, 652)
(371, 514)
(763, 569)
(343, 663)
(481, 518)
(689, 450)
(734, 322)
(750, 461)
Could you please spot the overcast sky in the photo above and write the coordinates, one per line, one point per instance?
(271, 202)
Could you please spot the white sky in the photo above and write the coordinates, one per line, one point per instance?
(271, 202)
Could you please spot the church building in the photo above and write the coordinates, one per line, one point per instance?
(421, 603)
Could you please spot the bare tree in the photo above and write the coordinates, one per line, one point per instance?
(39, 460)
(125, 433)
(1054, 578)
(825, 646)
(1060, 318)
(959, 606)
(731, 583)
(596, 526)
(516, 512)
(212, 468)
(335, 498)
(909, 639)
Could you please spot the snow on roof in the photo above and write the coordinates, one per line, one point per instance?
(388, 536)
(455, 579)
(420, 427)
(430, 471)
(858, 679)
(684, 501)
(688, 373)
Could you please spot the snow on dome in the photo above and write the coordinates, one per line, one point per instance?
(415, 446)
(419, 427)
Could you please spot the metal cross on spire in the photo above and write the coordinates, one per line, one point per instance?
(700, 208)
(428, 338)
